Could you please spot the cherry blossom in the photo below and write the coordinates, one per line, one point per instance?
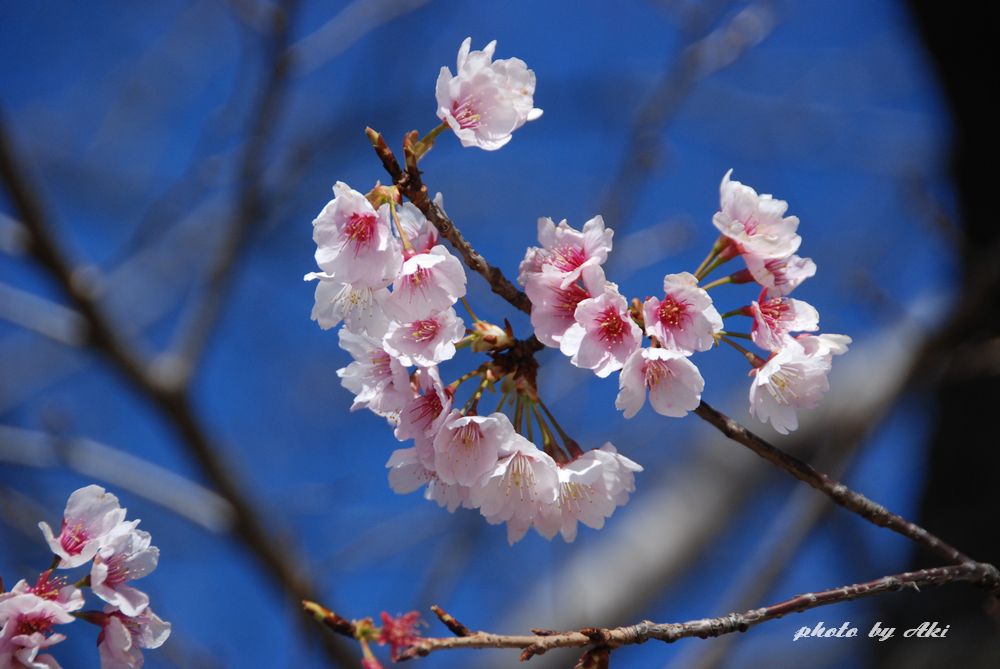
(376, 377)
(422, 415)
(517, 487)
(755, 223)
(427, 283)
(791, 379)
(52, 588)
(486, 101)
(779, 276)
(604, 334)
(91, 514)
(553, 305)
(125, 556)
(775, 318)
(399, 632)
(673, 382)
(834, 344)
(362, 309)
(467, 447)
(354, 243)
(566, 251)
(426, 341)
(123, 637)
(685, 319)
(420, 232)
(26, 622)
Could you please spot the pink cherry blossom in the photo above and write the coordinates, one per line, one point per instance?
(755, 223)
(354, 243)
(685, 319)
(125, 556)
(426, 341)
(420, 232)
(553, 305)
(362, 309)
(91, 514)
(376, 377)
(590, 488)
(399, 632)
(566, 251)
(673, 382)
(516, 488)
(407, 473)
(791, 379)
(52, 588)
(122, 638)
(467, 447)
(422, 415)
(604, 334)
(779, 276)
(775, 318)
(427, 283)
(26, 622)
(486, 101)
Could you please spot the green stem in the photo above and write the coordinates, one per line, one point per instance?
(741, 335)
(399, 227)
(426, 143)
(718, 262)
(468, 308)
(734, 312)
(718, 282)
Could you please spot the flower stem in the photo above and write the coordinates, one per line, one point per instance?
(712, 266)
(399, 227)
(718, 282)
(468, 308)
(741, 335)
(426, 143)
(735, 312)
(754, 359)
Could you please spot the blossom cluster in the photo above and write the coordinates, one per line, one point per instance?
(386, 276)
(577, 310)
(94, 530)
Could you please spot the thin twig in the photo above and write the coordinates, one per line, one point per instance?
(980, 574)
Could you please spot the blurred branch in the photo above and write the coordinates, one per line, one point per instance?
(172, 400)
(41, 316)
(346, 29)
(697, 61)
(121, 470)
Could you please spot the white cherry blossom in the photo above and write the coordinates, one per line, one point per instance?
(673, 382)
(486, 101)
(124, 557)
(377, 378)
(123, 637)
(755, 223)
(779, 276)
(604, 334)
(566, 251)
(467, 447)
(91, 515)
(361, 309)
(791, 379)
(553, 305)
(776, 318)
(427, 283)
(426, 341)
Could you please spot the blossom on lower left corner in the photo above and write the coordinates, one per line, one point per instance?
(94, 529)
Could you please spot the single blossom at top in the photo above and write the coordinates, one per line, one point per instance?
(354, 243)
(673, 382)
(426, 283)
(426, 341)
(566, 251)
(604, 334)
(486, 101)
(774, 319)
(122, 638)
(467, 447)
(125, 556)
(91, 515)
(791, 379)
(685, 319)
(553, 305)
(779, 276)
(755, 223)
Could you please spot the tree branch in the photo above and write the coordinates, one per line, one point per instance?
(170, 399)
(977, 573)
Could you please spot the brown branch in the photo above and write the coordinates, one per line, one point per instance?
(838, 492)
(412, 187)
(977, 573)
(171, 400)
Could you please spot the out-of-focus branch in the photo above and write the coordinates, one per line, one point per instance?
(541, 641)
(121, 470)
(250, 202)
(171, 399)
(41, 316)
(697, 61)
